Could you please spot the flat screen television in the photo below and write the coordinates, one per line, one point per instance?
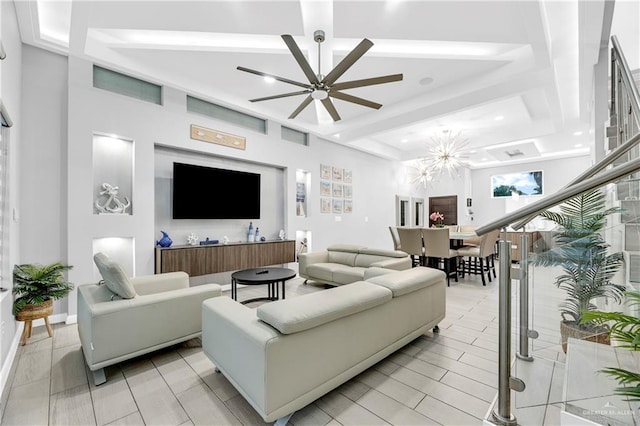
(523, 183)
(208, 193)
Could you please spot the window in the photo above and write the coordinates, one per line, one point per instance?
(296, 136)
(126, 85)
(226, 114)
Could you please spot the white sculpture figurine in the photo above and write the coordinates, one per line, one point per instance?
(192, 239)
(225, 240)
(112, 205)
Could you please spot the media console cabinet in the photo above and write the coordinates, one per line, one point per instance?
(214, 258)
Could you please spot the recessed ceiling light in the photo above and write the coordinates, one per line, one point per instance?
(578, 133)
(578, 145)
(499, 117)
(426, 81)
(484, 159)
(473, 151)
(269, 79)
(337, 135)
(404, 141)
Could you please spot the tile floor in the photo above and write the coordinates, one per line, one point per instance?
(448, 378)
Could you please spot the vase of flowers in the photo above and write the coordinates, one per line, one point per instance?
(437, 219)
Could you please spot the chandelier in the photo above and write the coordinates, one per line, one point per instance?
(445, 155)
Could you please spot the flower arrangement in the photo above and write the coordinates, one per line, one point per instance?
(437, 218)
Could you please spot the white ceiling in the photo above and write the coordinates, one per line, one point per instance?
(505, 73)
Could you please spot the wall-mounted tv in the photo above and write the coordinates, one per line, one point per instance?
(209, 193)
(523, 183)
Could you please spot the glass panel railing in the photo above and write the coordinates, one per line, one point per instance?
(587, 264)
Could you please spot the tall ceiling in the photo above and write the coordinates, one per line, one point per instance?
(512, 76)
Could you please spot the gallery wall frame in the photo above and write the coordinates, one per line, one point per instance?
(336, 189)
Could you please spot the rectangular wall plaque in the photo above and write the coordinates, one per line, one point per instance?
(213, 136)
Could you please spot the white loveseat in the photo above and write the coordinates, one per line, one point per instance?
(286, 354)
(346, 263)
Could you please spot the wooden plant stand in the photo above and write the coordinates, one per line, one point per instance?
(34, 312)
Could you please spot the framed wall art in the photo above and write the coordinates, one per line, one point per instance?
(325, 172)
(325, 205)
(336, 190)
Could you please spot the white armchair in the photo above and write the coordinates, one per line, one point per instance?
(114, 327)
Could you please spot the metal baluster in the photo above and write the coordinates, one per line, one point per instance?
(525, 333)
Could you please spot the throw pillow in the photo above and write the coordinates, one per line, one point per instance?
(114, 277)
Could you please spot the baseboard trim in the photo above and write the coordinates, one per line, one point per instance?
(11, 358)
(71, 319)
(53, 319)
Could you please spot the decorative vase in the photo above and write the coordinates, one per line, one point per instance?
(598, 334)
(165, 241)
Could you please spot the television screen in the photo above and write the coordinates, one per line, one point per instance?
(209, 193)
(524, 183)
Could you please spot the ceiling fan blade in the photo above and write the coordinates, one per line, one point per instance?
(302, 106)
(367, 82)
(282, 79)
(347, 62)
(283, 95)
(331, 109)
(299, 57)
(354, 99)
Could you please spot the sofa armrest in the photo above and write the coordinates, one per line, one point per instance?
(399, 264)
(115, 328)
(306, 259)
(236, 341)
(150, 284)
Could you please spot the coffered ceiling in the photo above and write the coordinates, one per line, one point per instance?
(511, 75)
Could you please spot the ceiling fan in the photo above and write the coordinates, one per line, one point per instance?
(323, 87)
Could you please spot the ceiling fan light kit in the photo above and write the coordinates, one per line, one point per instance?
(321, 87)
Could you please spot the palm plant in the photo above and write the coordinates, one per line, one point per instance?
(582, 253)
(35, 284)
(625, 330)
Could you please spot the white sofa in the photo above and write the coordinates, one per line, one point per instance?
(346, 263)
(286, 354)
(142, 315)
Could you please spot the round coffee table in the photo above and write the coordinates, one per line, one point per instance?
(258, 276)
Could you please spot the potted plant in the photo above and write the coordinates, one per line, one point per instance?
(625, 330)
(587, 266)
(36, 287)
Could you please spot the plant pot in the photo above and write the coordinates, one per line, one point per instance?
(597, 334)
(33, 312)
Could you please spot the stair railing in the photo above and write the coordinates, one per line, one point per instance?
(625, 128)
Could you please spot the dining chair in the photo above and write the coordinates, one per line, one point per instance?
(439, 253)
(395, 238)
(411, 243)
(480, 259)
(475, 241)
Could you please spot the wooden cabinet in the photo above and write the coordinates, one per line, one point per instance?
(514, 237)
(211, 259)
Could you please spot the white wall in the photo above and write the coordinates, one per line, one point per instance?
(556, 174)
